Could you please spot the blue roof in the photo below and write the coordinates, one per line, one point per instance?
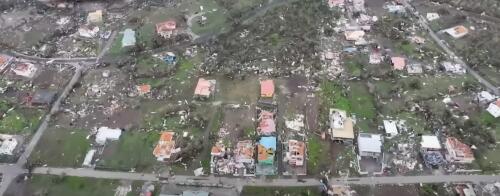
(128, 38)
(268, 142)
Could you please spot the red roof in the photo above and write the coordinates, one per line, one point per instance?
(398, 63)
(267, 88)
(497, 102)
(204, 87)
(168, 25)
(460, 148)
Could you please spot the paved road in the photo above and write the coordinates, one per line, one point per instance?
(55, 60)
(450, 53)
(85, 172)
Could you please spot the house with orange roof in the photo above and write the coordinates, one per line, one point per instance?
(398, 63)
(494, 108)
(218, 149)
(296, 153)
(458, 152)
(166, 29)
(267, 88)
(457, 31)
(143, 89)
(204, 88)
(165, 147)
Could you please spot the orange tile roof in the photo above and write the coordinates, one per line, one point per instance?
(168, 25)
(143, 89)
(398, 63)
(460, 29)
(204, 87)
(459, 147)
(267, 88)
(165, 145)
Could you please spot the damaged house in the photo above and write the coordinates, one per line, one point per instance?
(457, 31)
(267, 88)
(165, 148)
(5, 61)
(430, 148)
(295, 155)
(27, 70)
(166, 29)
(458, 152)
(398, 63)
(244, 158)
(204, 89)
(341, 127)
(454, 68)
(370, 153)
(42, 97)
(267, 123)
(7, 144)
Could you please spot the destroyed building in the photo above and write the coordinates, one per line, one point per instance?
(166, 29)
(458, 152)
(454, 68)
(5, 62)
(7, 144)
(165, 147)
(398, 63)
(95, 17)
(42, 97)
(296, 153)
(341, 127)
(27, 70)
(267, 123)
(430, 148)
(390, 128)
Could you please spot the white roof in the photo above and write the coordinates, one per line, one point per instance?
(390, 127)
(369, 143)
(8, 146)
(88, 157)
(494, 110)
(430, 141)
(485, 96)
(105, 133)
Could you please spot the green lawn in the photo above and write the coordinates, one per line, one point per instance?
(361, 101)
(318, 155)
(66, 185)
(216, 20)
(133, 150)
(62, 147)
(116, 47)
(274, 191)
(20, 121)
(332, 96)
(145, 35)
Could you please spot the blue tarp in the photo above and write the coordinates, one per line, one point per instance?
(268, 142)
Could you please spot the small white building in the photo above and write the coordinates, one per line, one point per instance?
(87, 162)
(105, 133)
(430, 143)
(494, 108)
(391, 128)
(432, 16)
(453, 67)
(8, 144)
(370, 145)
(457, 31)
(128, 39)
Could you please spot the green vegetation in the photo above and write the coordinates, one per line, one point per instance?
(317, 155)
(20, 120)
(354, 66)
(133, 150)
(62, 147)
(407, 48)
(346, 162)
(145, 35)
(216, 19)
(362, 104)
(273, 191)
(66, 185)
(333, 96)
(116, 47)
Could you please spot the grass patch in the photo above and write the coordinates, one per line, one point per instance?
(66, 185)
(20, 121)
(273, 191)
(361, 101)
(133, 150)
(216, 19)
(145, 35)
(317, 155)
(333, 97)
(62, 147)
